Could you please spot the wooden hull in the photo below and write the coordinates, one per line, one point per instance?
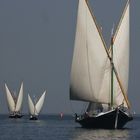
(113, 119)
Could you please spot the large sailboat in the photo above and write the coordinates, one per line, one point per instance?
(100, 75)
(14, 103)
(35, 108)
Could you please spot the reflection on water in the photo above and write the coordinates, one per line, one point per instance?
(130, 132)
(101, 134)
(54, 128)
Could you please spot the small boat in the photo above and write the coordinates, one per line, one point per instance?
(35, 108)
(14, 103)
(99, 76)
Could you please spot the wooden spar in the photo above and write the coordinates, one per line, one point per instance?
(107, 52)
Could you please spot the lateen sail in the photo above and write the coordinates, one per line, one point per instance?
(19, 99)
(91, 68)
(120, 59)
(35, 109)
(121, 54)
(10, 100)
(31, 105)
(89, 59)
(39, 104)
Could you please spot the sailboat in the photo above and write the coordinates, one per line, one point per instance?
(14, 103)
(35, 108)
(99, 76)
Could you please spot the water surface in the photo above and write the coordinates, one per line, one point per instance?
(52, 127)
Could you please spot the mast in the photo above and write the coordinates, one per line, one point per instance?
(112, 72)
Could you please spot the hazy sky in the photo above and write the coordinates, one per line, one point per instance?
(36, 47)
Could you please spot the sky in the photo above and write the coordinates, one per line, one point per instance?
(36, 47)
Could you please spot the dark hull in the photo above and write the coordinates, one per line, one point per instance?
(114, 119)
(33, 118)
(16, 116)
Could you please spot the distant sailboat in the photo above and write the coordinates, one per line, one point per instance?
(14, 103)
(34, 109)
(98, 75)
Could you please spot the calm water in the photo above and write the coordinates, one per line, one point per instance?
(54, 128)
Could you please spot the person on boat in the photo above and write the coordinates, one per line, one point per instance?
(76, 116)
(86, 114)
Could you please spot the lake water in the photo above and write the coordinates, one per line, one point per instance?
(51, 127)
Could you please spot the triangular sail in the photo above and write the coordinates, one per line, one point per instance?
(39, 104)
(19, 99)
(91, 69)
(31, 106)
(120, 59)
(89, 58)
(10, 100)
(121, 53)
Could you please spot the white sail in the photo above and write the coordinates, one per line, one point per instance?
(31, 105)
(121, 54)
(89, 58)
(91, 69)
(120, 59)
(35, 109)
(39, 104)
(19, 99)
(10, 100)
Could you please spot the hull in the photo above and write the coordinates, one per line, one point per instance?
(113, 119)
(15, 116)
(33, 118)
